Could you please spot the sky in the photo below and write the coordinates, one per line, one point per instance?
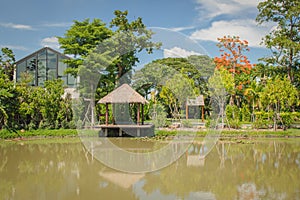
(194, 25)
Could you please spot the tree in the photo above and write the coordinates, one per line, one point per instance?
(131, 38)
(111, 62)
(278, 95)
(7, 62)
(284, 40)
(116, 56)
(152, 77)
(220, 85)
(175, 92)
(232, 58)
(81, 39)
(251, 94)
(6, 99)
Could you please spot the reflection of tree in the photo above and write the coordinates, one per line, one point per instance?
(59, 170)
(271, 169)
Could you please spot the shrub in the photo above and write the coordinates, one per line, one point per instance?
(158, 115)
(232, 112)
(245, 113)
(187, 123)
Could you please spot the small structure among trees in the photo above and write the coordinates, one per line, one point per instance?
(122, 123)
(198, 101)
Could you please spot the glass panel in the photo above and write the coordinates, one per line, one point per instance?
(71, 80)
(42, 55)
(51, 75)
(20, 69)
(42, 72)
(61, 66)
(52, 59)
(31, 68)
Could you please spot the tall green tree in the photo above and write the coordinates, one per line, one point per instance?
(284, 40)
(111, 62)
(221, 84)
(81, 39)
(131, 38)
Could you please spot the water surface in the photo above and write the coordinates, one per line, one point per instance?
(64, 169)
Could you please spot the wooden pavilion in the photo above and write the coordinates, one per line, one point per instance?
(124, 94)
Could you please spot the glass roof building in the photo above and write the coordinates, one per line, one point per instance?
(45, 64)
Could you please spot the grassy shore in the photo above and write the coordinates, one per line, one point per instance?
(235, 133)
(5, 134)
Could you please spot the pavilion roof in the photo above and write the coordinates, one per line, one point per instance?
(123, 94)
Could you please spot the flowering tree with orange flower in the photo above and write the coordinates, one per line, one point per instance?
(232, 58)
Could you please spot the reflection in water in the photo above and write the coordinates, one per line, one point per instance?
(268, 169)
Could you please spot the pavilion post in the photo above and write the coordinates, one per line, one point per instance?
(106, 114)
(142, 114)
(138, 113)
(202, 113)
(186, 111)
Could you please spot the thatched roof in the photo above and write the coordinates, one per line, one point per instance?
(123, 94)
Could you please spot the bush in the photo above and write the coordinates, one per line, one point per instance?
(31, 126)
(65, 124)
(158, 115)
(288, 118)
(245, 113)
(79, 124)
(187, 124)
(232, 112)
(234, 123)
(260, 124)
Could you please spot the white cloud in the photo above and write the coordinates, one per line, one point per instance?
(17, 26)
(177, 52)
(213, 8)
(14, 47)
(182, 28)
(247, 30)
(51, 42)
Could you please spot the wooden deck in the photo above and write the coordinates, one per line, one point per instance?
(121, 130)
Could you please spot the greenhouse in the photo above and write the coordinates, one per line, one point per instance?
(45, 64)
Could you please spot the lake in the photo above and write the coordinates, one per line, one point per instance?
(233, 169)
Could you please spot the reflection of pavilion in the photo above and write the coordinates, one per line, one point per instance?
(121, 98)
(194, 157)
(124, 180)
(195, 160)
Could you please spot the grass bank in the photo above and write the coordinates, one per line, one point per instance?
(234, 133)
(5, 134)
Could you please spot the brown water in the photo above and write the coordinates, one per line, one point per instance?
(63, 169)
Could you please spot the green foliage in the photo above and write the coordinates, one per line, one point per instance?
(187, 123)
(245, 114)
(284, 40)
(81, 38)
(7, 62)
(175, 92)
(280, 94)
(158, 115)
(6, 134)
(234, 123)
(232, 112)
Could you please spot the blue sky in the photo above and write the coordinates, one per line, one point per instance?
(26, 26)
